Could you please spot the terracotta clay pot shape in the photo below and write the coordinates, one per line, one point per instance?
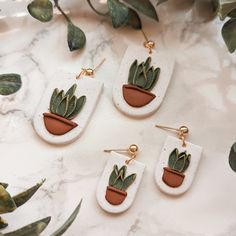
(57, 125)
(137, 97)
(172, 178)
(115, 196)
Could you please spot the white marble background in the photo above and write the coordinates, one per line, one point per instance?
(202, 95)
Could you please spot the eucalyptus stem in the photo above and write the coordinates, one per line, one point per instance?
(95, 10)
(62, 12)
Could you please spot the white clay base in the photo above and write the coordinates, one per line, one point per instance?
(89, 87)
(133, 167)
(170, 144)
(159, 59)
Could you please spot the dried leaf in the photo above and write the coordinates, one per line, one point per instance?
(9, 83)
(41, 10)
(68, 222)
(23, 197)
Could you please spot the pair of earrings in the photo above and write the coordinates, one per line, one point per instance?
(122, 175)
(138, 91)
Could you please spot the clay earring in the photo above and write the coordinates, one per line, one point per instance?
(62, 116)
(178, 162)
(120, 180)
(142, 82)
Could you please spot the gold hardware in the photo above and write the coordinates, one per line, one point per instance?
(89, 71)
(132, 150)
(182, 132)
(149, 44)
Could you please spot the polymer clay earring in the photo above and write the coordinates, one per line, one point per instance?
(178, 163)
(120, 180)
(67, 106)
(142, 81)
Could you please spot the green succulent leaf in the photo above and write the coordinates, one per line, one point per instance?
(5, 185)
(225, 7)
(63, 106)
(147, 63)
(71, 106)
(3, 224)
(152, 78)
(68, 222)
(173, 158)
(7, 204)
(122, 172)
(229, 34)
(132, 72)
(187, 162)
(232, 157)
(113, 176)
(179, 164)
(76, 38)
(79, 105)
(128, 181)
(145, 7)
(54, 95)
(9, 83)
(71, 91)
(23, 197)
(118, 183)
(134, 20)
(141, 79)
(57, 101)
(33, 229)
(41, 10)
(119, 13)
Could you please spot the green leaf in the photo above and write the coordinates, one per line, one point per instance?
(71, 106)
(41, 10)
(132, 72)
(145, 7)
(54, 95)
(128, 181)
(76, 38)
(118, 12)
(229, 34)
(57, 101)
(118, 183)
(225, 7)
(187, 162)
(122, 172)
(9, 83)
(134, 20)
(23, 197)
(5, 185)
(141, 79)
(33, 229)
(232, 157)
(7, 204)
(68, 222)
(113, 177)
(79, 105)
(63, 106)
(152, 82)
(71, 91)
(173, 158)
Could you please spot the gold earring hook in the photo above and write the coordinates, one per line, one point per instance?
(132, 150)
(149, 44)
(89, 71)
(182, 132)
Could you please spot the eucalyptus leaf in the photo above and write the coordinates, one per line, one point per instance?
(41, 10)
(33, 229)
(76, 38)
(134, 20)
(229, 34)
(9, 83)
(118, 12)
(145, 7)
(232, 157)
(68, 222)
(7, 204)
(225, 7)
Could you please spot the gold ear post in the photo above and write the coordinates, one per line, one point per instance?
(132, 150)
(182, 132)
(89, 71)
(149, 44)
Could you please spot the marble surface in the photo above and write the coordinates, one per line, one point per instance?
(201, 95)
